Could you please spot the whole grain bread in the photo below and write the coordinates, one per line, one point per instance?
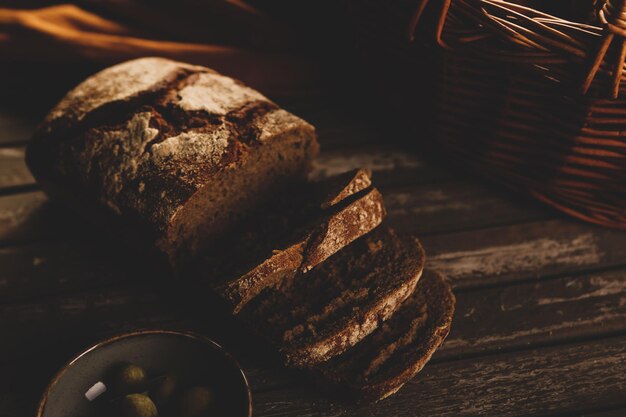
(394, 353)
(297, 231)
(316, 316)
(179, 155)
(177, 152)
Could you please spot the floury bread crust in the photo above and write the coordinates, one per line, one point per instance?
(177, 149)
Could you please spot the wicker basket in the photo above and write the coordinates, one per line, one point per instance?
(537, 101)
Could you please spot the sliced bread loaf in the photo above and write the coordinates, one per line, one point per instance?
(178, 150)
(389, 357)
(299, 230)
(313, 317)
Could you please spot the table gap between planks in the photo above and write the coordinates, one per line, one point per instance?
(540, 327)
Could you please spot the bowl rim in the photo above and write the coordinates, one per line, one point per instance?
(181, 333)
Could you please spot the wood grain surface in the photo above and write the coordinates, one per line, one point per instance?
(540, 326)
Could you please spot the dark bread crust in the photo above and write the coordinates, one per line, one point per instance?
(316, 316)
(342, 186)
(384, 361)
(145, 137)
(347, 224)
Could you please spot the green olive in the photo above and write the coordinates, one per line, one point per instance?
(164, 389)
(130, 378)
(197, 402)
(138, 405)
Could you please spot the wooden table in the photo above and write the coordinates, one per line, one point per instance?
(540, 326)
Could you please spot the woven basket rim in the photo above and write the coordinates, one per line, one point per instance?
(504, 31)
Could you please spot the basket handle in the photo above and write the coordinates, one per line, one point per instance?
(421, 6)
(613, 18)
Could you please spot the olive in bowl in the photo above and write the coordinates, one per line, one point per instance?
(151, 373)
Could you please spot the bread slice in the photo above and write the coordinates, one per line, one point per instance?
(313, 317)
(176, 153)
(389, 357)
(301, 229)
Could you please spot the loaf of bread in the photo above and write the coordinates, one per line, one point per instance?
(298, 230)
(179, 153)
(314, 317)
(395, 352)
(212, 174)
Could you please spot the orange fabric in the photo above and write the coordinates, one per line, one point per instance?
(68, 33)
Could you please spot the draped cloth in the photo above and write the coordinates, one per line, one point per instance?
(229, 36)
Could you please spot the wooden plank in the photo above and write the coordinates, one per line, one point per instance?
(487, 321)
(421, 208)
(79, 319)
(390, 165)
(15, 128)
(440, 207)
(70, 322)
(524, 251)
(13, 170)
(470, 258)
(537, 313)
(28, 216)
(48, 268)
(569, 380)
(621, 412)
(563, 379)
(452, 206)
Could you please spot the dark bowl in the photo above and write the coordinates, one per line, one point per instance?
(190, 356)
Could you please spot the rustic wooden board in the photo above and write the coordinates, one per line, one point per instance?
(475, 258)
(534, 382)
(390, 165)
(76, 320)
(540, 325)
(48, 268)
(524, 251)
(486, 321)
(30, 216)
(444, 207)
(536, 313)
(621, 412)
(15, 128)
(14, 175)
